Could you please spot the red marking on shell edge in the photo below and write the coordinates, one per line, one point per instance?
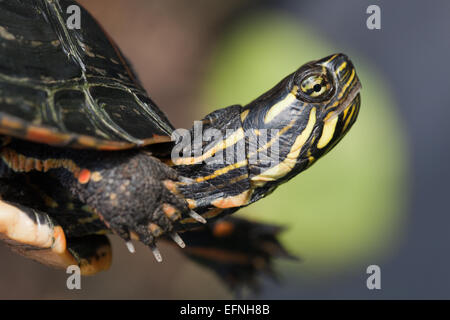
(44, 135)
(114, 146)
(84, 176)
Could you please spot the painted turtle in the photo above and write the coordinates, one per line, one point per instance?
(85, 151)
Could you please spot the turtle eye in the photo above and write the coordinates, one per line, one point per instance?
(315, 86)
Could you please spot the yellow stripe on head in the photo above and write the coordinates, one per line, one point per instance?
(327, 132)
(280, 170)
(331, 58)
(280, 106)
(344, 88)
(244, 114)
(350, 116)
(341, 67)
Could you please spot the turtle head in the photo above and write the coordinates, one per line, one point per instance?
(303, 117)
(257, 147)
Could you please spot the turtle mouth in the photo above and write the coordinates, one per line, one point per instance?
(348, 102)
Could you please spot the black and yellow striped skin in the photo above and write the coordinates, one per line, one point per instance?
(312, 128)
(303, 127)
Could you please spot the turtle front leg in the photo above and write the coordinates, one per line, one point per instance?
(134, 199)
(129, 190)
(34, 235)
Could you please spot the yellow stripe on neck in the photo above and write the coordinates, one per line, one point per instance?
(222, 171)
(221, 145)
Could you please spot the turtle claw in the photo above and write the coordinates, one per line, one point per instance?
(130, 247)
(196, 216)
(156, 253)
(176, 237)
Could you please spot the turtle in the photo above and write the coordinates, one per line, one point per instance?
(85, 152)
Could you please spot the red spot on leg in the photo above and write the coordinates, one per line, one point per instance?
(84, 176)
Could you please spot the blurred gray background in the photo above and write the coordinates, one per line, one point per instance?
(411, 53)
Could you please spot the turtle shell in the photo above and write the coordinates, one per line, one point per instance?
(70, 87)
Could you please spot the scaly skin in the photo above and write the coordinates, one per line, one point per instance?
(126, 189)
